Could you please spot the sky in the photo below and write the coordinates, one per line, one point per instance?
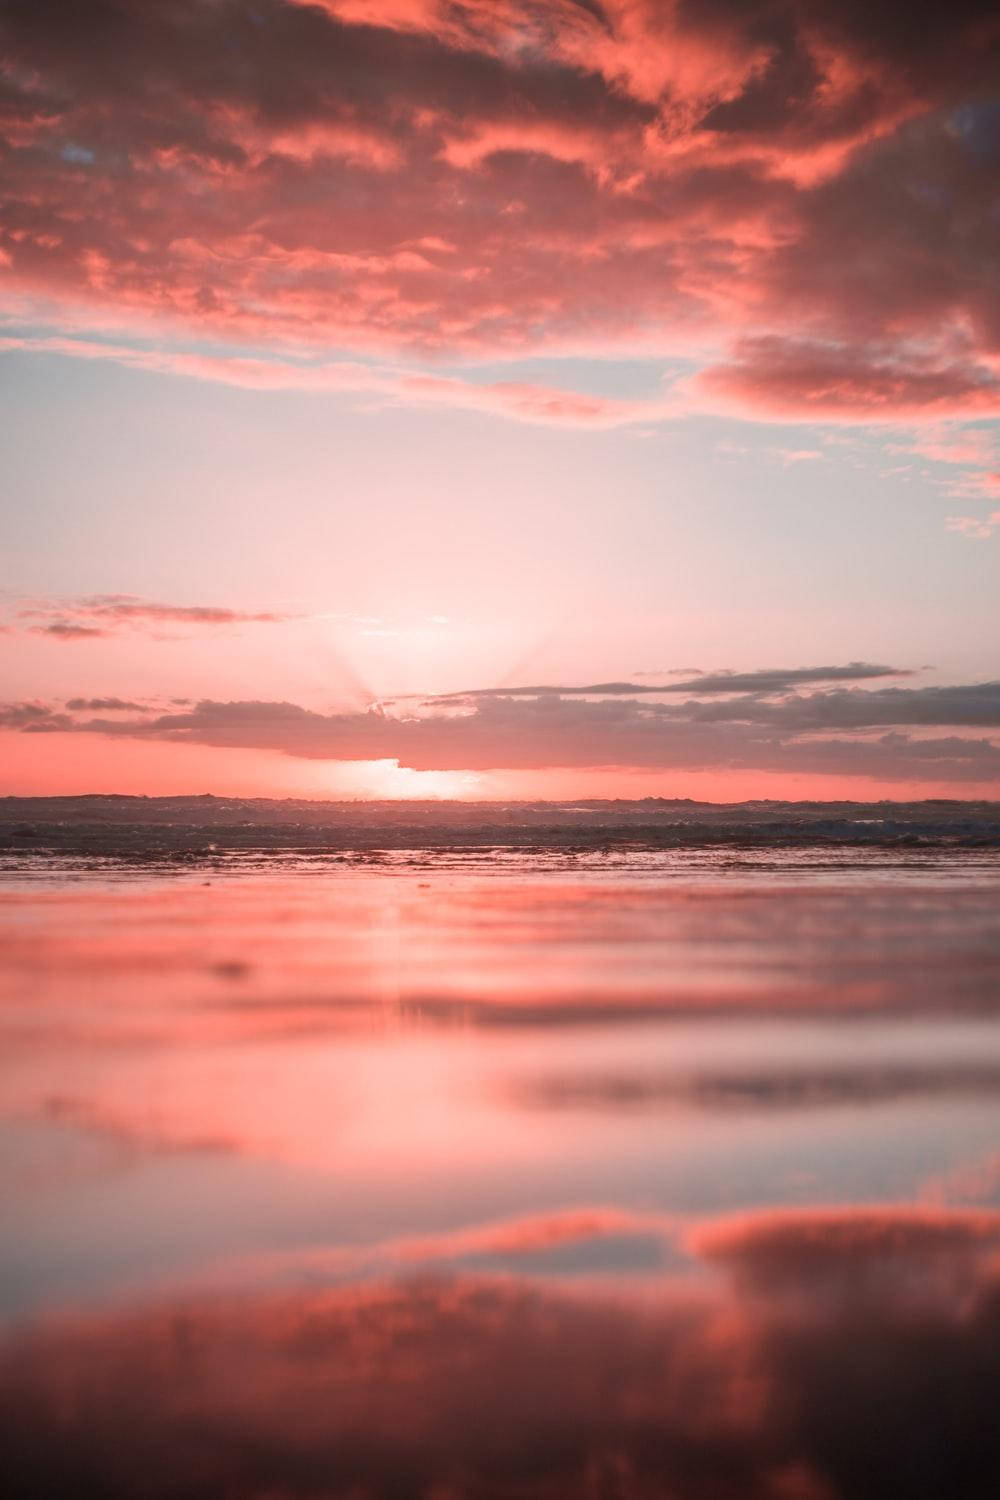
(516, 398)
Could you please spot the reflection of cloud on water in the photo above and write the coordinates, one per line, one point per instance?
(833, 1359)
(805, 1088)
(592, 1241)
(975, 1181)
(160, 964)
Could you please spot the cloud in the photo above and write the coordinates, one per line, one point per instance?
(979, 528)
(967, 705)
(780, 679)
(968, 1181)
(768, 1090)
(68, 630)
(973, 450)
(723, 725)
(521, 1245)
(527, 1237)
(798, 1245)
(789, 456)
(794, 380)
(966, 446)
(490, 179)
(128, 1137)
(104, 705)
(765, 680)
(523, 401)
(767, 697)
(102, 614)
(840, 1352)
(32, 716)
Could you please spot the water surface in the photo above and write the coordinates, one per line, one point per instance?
(496, 1173)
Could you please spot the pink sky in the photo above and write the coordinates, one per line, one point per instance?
(366, 353)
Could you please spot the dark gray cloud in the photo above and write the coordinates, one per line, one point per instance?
(548, 730)
(781, 680)
(975, 705)
(767, 1090)
(104, 705)
(98, 615)
(33, 717)
(764, 680)
(766, 698)
(759, 720)
(68, 630)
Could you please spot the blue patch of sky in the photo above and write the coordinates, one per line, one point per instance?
(634, 379)
(978, 126)
(78, 156)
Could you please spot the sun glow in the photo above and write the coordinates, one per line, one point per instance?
(387, 778)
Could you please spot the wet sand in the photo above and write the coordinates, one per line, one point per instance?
(466, 1171)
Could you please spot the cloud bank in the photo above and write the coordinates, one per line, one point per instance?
(799, 191)
(727, 721)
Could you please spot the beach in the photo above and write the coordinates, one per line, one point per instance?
(452, 1171)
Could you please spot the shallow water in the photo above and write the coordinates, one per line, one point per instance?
(498, 1174)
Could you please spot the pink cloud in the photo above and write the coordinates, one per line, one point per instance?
(68, 630)
(531, 402)
(528, 1236)
(986, 484)
(790, 456)
(519, 400)
(504, 178)
(100, 615)
(797, 1244)
(792, 379)
(972, 447)
(115, 607)
(977, 527)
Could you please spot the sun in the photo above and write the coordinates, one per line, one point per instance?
(388, 779)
